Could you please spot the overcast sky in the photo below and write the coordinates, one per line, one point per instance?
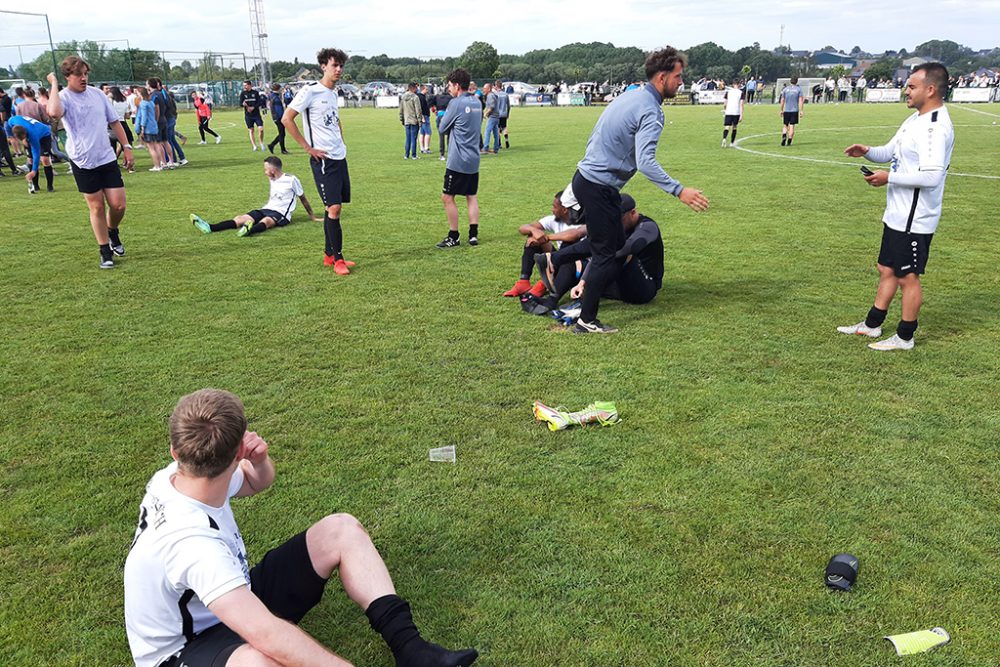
(431, 29)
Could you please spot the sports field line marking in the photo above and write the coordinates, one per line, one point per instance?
(737, 146)
(985, 113)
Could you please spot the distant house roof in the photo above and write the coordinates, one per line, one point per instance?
(826, 59)
(307, 74)
(916, 60)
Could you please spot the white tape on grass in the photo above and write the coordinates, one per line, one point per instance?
(841, 163)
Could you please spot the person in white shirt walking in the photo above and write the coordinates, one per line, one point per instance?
(733, 112)
(920, 153)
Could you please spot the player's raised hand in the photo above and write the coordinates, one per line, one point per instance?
(856, 150)
(53, 81)
(254, 448)
(694, 199)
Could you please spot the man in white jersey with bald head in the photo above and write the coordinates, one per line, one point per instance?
(920, 153)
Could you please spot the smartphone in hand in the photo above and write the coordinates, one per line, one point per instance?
(866, 171)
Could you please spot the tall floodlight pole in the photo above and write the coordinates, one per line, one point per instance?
(258, 35)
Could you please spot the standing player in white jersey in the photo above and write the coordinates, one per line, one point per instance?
(733, 112)
(920, 153)
(324, 142)
(277, 212)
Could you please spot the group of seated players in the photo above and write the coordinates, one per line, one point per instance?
(558, 246)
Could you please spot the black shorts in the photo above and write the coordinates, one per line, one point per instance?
(457, 183)
(253, 119)
(791, 118)
(284, 580)
(733, 120)
(106, 177)
(904, 253)
(332, 180)
(45, 143)
(163, 135)
(259, 214)
(502, 122)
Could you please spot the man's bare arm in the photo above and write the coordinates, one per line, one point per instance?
(54, 107)
(309, 210)
(279, 640)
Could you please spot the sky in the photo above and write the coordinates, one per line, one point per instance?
(429, 29)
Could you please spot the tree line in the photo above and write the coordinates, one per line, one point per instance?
(596, 61)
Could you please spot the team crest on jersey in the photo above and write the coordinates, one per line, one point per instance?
(468, 109)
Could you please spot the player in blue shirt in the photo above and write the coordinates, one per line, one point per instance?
(38, 136)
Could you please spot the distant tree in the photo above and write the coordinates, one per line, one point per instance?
(944, 51)
(883, 69)
(856, 50)
(830, 48)
(480, 59)
(282, 70)
(837, 71)
(372, 72)
(723, 72)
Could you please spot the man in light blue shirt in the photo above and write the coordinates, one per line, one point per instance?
(623, 142)
(461, 122)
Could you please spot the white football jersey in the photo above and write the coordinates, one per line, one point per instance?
(733, 97)
(320, 119)
(552, 225)
(922, 143)
(185, 555)
(284, 190)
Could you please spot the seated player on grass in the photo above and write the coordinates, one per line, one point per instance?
(564, 225)
(277, 212)
(641, 274)
(191, 598)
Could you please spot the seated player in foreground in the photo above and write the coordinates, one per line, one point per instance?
(562, 227)
(277, 212)
(191, 599)
(639, 277)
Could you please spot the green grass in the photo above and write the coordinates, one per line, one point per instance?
(755, 441)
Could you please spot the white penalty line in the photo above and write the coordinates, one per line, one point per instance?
(838, 163)
(985, 113)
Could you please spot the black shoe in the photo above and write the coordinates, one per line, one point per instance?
(50, 189)
(118, 249)
(582, 327)
(783, 140)
(270, 147)
(284, 152)
(542, 261)
(506, 144)
(449, 242)
(533, 306)
(473, 240)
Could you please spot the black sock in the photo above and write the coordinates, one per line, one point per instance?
(528, 261)
(905, 329)
(725, 134)
(390, 617)
(334, 237)
(48, 177)
(257, 228)
(876, 316)
(453, 234)
(734, 135)
(473, 231)
(223, 226)
(34, 181)
(113, 235)
(789, 141)
(106, 251)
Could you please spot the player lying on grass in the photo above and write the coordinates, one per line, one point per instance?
(564, 226)
(640, 260)
(277, 212)
(191, 598)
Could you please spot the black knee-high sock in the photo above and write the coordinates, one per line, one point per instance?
(224, 225)
(113, 235)
(390, 616)
(334, 237)
(725, 134)
(48, 177)
(734, 134)
(35, 180)
(257, 228)
(473, 231)
(528, 261)
(876, 316)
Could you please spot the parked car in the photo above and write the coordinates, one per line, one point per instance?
(521, 88)
(349, 91)
(374, 89)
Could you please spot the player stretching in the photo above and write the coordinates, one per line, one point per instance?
(920, 153)
(324, 141)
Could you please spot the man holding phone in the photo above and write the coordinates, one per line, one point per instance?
(920, 153)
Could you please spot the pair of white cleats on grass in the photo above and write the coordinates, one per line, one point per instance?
(893, 342)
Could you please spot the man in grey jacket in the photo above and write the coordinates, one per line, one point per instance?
(410, 116)
(624, 141)
(461, 121)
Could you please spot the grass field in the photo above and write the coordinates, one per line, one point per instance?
(755, 441)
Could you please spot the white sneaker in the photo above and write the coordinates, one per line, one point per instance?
(894, 342)
(724, 142)
(156, 168)
(182, 163)
(201, 143)
(254, 149)
(861, 329)
(218, 139)
(170, 165)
